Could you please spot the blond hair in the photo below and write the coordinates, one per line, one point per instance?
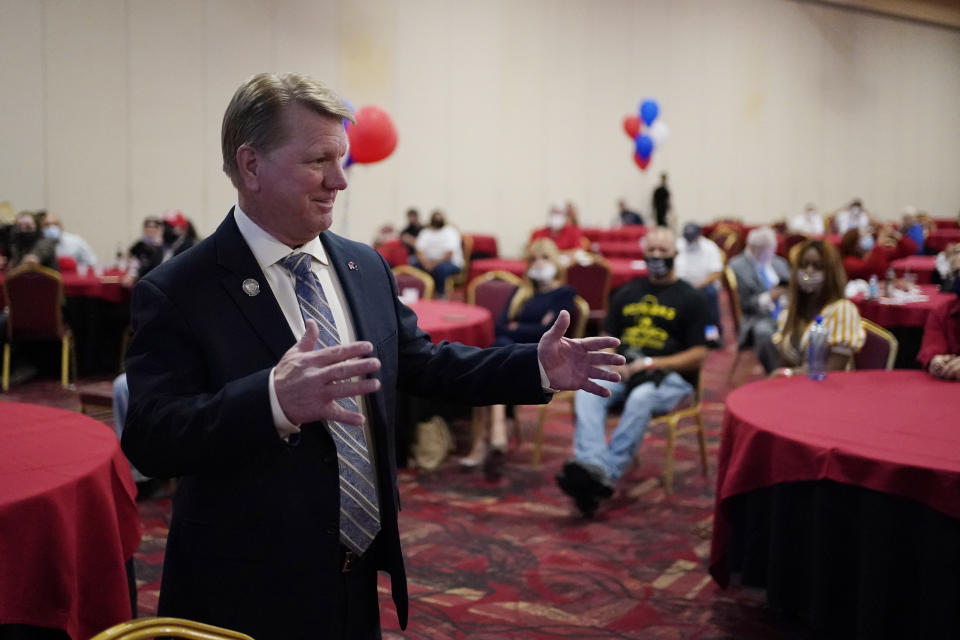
(525, 290)
(254, 115)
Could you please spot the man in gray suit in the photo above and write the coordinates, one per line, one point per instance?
(762, 278)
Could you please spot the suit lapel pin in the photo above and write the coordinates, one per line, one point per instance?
(251, 287)
(352, 266)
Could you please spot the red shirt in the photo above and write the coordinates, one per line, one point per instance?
(942, 332)
(875, 263)
(567, 238)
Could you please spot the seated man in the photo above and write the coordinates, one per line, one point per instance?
(809, 223)
(561, 227)
(439, 251)
(627, 216)
(700, 264)
(762, 279)
(68, 244)
(940, 349)
(659, 320)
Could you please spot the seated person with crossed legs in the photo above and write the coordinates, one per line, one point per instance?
(660, 322)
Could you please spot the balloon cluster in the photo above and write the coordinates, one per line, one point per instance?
(656, 133)
(372, 138)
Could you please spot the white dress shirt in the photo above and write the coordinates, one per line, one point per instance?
(73, 246)
(696, 261)
(808, 223)
(269, 253)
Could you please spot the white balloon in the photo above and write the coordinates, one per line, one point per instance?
(659, 132)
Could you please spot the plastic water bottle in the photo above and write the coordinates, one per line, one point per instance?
(874, 292)
(891, 276)
(817, 350)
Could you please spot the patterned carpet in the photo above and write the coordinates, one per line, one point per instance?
(514, 559)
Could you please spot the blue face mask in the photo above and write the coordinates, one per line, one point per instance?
(52, 232)
(866, 243)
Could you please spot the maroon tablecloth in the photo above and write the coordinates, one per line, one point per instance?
(632, 232)
(922, 266)
(107, 286)
(939, 239)
(889, 431)
(455, 322)
(68, 521)
(946, 223)
(913, 314)
(630, 249)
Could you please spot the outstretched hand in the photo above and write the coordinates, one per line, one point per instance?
(570, 364)
(309, 381)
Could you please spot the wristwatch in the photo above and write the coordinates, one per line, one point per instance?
(647, 363)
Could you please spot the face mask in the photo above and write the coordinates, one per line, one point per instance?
(556, 221)
(866, 243)
(52, 232)
(659, 267)
(543, 273)
(153, 241)
(855, 211)
(763, 256)
(810, 282)
(25, 239)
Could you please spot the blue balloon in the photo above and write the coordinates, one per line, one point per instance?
(649, 110)
(348, 161)
(644, 146)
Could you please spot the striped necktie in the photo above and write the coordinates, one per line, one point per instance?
(359, 513)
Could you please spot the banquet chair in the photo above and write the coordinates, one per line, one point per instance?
(689, 408)
(790, 241)
(729, 238)
(34, 297)
(736, 311)
(168, 627)
(576, 330)
(591, 281)
(880, 349)
(492, 291)
(409, 277)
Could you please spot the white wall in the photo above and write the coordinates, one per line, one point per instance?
(110, 109)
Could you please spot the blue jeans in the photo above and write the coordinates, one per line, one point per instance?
(590, 439)
(440, 273)
(121, 398)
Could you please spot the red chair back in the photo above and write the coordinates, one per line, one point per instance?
(410, 281)
(34, 295)
(592, 283)
(880, 349)
(494, 295)
(394, 252)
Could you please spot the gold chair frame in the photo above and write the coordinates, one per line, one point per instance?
(144, 628)
(672, 420)
(733, 291)
(419, 274)
(891, 340)
(68, 355)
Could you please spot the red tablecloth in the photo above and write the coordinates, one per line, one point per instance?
(626, 233)
(939, 239)
(890, 431)
(913, 314)
(922, 266)
(946, 223)
(68, 521)
(455, 322)
(484, 244)
(630, 249)
(394, 252)
(106, 287)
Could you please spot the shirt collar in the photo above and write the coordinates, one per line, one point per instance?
(268, 250)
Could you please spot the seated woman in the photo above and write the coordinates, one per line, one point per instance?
(525, 318)
(816, 289)
(439, 251)
(864, 257)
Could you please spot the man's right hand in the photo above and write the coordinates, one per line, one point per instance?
(776, 292)
(308, 381)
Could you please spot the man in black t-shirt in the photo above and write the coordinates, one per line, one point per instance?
(660, 322)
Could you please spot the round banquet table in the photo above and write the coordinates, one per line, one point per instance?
(939, 239)
(845, 507)
(68, 521)
(922, 266)
(911, 314)
(455, 322)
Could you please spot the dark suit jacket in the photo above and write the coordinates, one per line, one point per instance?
(749, 287)
(254, 542)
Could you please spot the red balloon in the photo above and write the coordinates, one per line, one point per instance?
(373, 137)
(631, 125)
(641, 162)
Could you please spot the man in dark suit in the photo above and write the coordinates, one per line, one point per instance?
(264, 369)
(762, 278)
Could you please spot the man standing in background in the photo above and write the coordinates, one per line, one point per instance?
(661, 201)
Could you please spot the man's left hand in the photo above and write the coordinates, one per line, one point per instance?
(570, 364)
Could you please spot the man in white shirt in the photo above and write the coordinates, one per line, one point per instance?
(809, 223)
(853, 217)
(439, 251)
(264, 371)
(699, 263)
(68, 244)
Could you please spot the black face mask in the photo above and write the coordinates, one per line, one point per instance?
(659, 267)
(169, 236)
(25, 240)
